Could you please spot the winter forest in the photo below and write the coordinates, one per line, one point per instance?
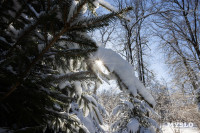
(99, 66)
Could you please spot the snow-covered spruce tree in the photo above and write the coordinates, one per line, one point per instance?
(44, 73)
(136, 104)
(133, 116)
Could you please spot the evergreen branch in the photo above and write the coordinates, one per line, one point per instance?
(114, 10)
(64, 8)
(82, 38)
(19, 82)
(107, 7)
(33, 11)
(25, 32)
(78, 40)
(71, 76)
(97, 115)
(76, 11)
(71, 52)
(70, 120)
(58, 114)
(122, 84)
(95, 22)
(24, 75)
(18, 13)
(61, 97)
(89, 99)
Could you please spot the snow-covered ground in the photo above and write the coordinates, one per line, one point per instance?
(168, 129)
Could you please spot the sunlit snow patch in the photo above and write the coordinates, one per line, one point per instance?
(124, 71)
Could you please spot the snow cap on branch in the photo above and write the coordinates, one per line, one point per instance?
(124, 71)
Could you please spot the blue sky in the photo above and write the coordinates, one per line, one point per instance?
(155, 56)
(157, 62)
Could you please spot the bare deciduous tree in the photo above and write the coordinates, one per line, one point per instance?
(179, 31)
(135, 38)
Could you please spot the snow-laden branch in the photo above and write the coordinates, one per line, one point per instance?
(124, 71)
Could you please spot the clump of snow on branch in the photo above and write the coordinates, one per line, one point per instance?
(107, 5)
(78, 88)
(124, 71)
(133, 126)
